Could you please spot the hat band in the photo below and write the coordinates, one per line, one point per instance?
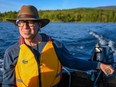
(27, 16)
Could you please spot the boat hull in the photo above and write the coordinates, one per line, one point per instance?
(82, 79)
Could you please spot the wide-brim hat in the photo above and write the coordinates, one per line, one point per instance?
(29, 13)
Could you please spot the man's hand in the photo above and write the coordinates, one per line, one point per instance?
(107, 69)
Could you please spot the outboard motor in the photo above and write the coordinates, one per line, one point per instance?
(104, 52)
(101, 53)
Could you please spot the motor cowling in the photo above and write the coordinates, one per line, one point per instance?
(103, 53)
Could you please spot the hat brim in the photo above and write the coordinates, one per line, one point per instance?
(43, 22)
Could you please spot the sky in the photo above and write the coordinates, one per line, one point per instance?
(14, 5)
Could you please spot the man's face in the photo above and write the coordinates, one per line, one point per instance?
(28, 29)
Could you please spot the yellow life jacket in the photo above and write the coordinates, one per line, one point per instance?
(27, 71)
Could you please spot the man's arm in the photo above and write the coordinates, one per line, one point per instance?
(70, 60)
(73, 62)
(10, 58)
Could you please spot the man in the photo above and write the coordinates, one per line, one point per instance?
(36, 60)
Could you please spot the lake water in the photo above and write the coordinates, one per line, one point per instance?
(75, 36)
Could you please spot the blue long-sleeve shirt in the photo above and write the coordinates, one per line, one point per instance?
(66, 59)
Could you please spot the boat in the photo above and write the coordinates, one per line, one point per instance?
(84, 79)
(76, 78)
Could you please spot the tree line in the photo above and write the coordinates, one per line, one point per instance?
(71, 15)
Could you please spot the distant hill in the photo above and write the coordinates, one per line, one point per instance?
(107, 7)
(98, 14)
